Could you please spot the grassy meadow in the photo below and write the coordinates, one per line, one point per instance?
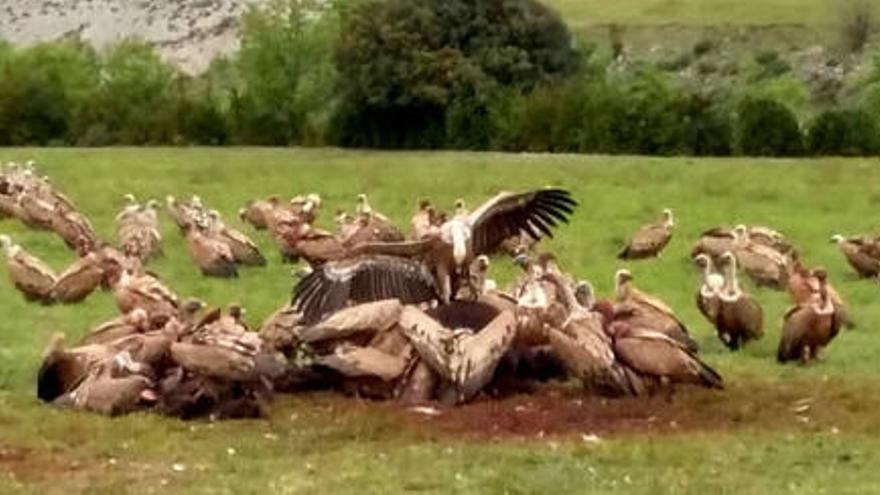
(775, 429)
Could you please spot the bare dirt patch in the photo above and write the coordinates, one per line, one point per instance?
(567, 411)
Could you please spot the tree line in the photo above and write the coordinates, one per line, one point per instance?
(416, 74)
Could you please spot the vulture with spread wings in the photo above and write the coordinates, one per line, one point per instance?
(433, 267)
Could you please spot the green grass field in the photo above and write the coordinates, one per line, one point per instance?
(696, 13)
(746, 439)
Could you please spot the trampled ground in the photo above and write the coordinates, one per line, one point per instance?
(775, 429)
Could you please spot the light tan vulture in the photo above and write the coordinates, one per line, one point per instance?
(137, 229)
(145, 291)
(244, 250)
(186, 212)
(387, 270)
(640, 310)
(708, 295)
(258, 212)
(809, 328)
(656, 355)
(76, 230)
(316, 246)
(213, 256)
(463, 358)
(84, 275)
(716, 241)
(124, 325)
(423, 221)
(650, 239)
(305, 208)
(102, 392)
(740, 318)
(764, 265)
(33, 278)
(861, 252)
(36, 211)
(369, 229)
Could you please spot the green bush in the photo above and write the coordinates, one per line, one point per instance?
(403, 65)
(768, 128)
(844, 133)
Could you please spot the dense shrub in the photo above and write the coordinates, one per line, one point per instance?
(404, 63)
(844, 133)
(768, 128)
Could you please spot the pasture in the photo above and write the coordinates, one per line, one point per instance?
(774, 429)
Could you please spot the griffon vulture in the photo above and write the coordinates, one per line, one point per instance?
(650, 239)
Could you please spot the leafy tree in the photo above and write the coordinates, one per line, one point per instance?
(137, 97)
(286, 71)
(408, 67)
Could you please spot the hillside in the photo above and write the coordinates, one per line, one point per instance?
(190, 33)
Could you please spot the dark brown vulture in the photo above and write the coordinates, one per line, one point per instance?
(808, 328)
(417, 271)
(654, 354)
(650, 239)
(861, 252)
(641, 310)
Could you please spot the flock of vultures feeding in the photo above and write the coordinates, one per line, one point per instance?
(380, 314)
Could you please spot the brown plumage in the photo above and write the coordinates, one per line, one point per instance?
(316, 246)
(640, 310)
(716, 241)
(424, 220)
(137, 228)
(803, 284)
(809, 327)
(145, 291)
(85, 275)
(76, 230)
(764, 265)
(136, 321)
(213, 257)
(740, 317)
(33, 278)
(654, 354)
(650, 239)
(861, 252)
(244, 250)
(258, 212)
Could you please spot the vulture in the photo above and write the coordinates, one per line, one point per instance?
(418, 271)
(803, 284)
(185, 213)
(213, 256)
(424, 221)
(85, 275)
(244, 250)
(809, 327)
(258, 212)
(136, 321)
(640, 310)
(654, 354)
(137, 227)
(740, 318)
(716, 241)
(145, 291)
(29, 275)
(708, 300)
(305, 207)
(76, 230)
(316, 246)
(765, 265)
(862, 253)
(650, 239)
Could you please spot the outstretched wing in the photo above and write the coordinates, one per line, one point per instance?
(359, 280)
(508, 214)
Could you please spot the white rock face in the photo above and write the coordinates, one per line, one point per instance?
(187, 33)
